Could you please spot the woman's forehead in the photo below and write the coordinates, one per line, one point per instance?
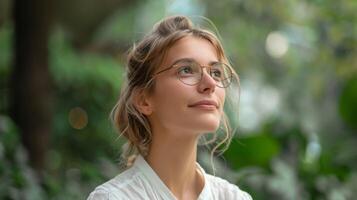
(191, 48)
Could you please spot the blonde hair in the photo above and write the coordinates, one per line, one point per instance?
(142, 61)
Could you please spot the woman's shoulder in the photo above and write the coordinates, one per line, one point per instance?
(117, 188)
(226, 190)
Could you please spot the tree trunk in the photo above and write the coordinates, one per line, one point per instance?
(31, 92)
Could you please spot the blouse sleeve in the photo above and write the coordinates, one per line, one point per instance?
(99, 194)
(239, 194)
(245, 196)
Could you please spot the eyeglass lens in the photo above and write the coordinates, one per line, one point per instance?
(191, 73)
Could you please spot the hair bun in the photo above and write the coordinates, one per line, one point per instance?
(172, 24)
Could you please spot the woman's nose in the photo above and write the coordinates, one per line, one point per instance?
(207, 83)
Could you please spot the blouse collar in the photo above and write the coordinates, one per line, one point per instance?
(151, 175)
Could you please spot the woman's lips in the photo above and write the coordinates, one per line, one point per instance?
(205, 104)
(205, 107)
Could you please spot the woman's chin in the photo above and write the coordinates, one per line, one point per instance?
(208, 126)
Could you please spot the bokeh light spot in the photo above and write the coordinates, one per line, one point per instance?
(276, 44)
(78, 118)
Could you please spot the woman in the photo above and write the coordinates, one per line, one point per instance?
(175, 91)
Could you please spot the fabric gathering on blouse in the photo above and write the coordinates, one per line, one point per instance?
(140, 182)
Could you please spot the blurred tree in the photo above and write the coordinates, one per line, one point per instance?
(31, 96)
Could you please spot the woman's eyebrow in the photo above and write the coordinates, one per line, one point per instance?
(213, 63)
(192, 60)
(183, 60)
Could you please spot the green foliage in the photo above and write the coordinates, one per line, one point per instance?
(91, 82)
(348, 105)
(86, 80)
(244, 152)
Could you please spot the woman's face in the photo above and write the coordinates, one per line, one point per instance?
(186, 109)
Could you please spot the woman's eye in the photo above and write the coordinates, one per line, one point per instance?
(185, 70)
(216, 73)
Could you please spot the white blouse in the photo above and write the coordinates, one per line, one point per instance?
(141, 182)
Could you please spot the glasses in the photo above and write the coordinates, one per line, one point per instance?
(190, 72)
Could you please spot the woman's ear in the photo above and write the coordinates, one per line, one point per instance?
(142, 102)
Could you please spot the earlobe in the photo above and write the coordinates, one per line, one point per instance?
(146, 110)
(142, 102)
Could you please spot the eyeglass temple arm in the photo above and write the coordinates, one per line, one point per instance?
(163, 70)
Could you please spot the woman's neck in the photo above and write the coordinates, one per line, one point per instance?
(174, 161)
